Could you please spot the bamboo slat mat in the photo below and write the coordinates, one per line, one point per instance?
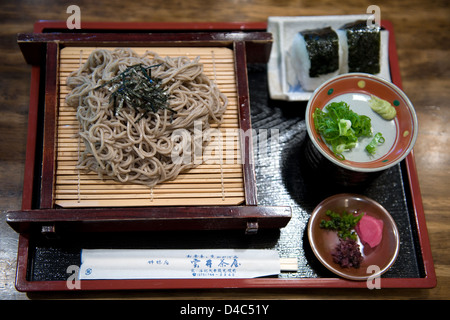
(217, 181)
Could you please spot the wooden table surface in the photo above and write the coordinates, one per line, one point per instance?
(422, 31)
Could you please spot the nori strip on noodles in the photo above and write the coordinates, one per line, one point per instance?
(136, 88)
(323, 50)
(363, 47)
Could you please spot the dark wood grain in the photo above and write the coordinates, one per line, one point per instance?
(423, 46)
(153, 218)
(245, 122)
(50, 125)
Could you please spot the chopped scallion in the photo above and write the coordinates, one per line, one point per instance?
(341, 127)
(372, 146)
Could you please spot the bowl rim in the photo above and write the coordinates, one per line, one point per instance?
(341, 164)
(316, 252)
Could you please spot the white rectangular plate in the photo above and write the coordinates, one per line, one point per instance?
(284, 29)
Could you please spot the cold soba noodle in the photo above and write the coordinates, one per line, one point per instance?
(128, 143)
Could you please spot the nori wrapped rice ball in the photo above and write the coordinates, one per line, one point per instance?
(322, 46)
(315, 56)
(363, 47)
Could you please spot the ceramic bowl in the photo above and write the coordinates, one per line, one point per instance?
(356, 89)
(377, 260)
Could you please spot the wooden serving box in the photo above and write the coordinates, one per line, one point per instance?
(50, 235)
(41, 207)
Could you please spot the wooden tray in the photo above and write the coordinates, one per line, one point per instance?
(42, 261)
(226, 197)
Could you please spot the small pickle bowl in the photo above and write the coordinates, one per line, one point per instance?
(377, 260)
(356, 90)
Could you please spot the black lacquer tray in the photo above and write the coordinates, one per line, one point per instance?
(283, 178)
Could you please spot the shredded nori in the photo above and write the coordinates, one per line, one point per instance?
(363, 47)
(136, 88)
(323, 50)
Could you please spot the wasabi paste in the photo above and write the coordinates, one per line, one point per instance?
(383, 108)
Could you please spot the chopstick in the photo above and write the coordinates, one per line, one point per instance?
(288, 264)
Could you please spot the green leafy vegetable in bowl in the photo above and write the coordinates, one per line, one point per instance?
(341, 128)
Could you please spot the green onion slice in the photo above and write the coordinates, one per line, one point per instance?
(377, 140)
